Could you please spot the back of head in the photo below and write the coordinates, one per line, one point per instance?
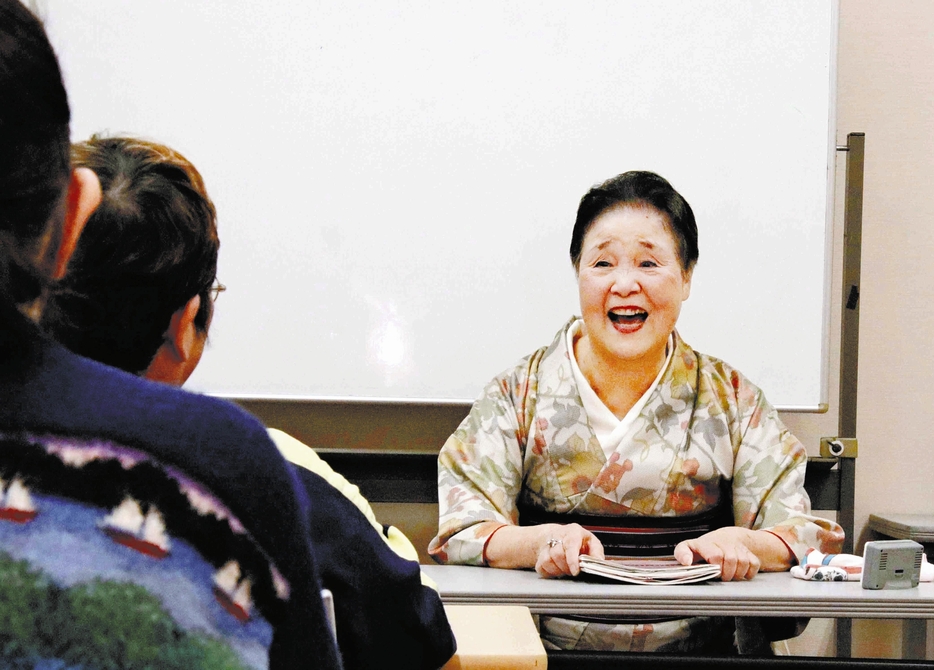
(34, 172)
(149, 247)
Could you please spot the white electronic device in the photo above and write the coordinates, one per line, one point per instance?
(892, 564)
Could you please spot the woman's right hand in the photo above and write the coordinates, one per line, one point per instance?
(560, 553)
(553, 549)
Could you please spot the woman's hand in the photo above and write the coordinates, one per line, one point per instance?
(560, 554)
(741, 553)
(552, 549)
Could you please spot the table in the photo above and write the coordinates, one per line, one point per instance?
(494, 636)
(770, 594)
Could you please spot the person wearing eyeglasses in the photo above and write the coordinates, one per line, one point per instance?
(140, 287)
(139, 295)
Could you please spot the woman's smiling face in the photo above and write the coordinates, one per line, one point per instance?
(631, 286)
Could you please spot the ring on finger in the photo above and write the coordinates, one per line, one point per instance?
(554, 542)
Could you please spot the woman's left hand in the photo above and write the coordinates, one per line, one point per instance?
(727, 547)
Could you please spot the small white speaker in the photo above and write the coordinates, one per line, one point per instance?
(892, 564)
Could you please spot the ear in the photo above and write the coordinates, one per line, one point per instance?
(182, 335)
(686, 284)
(179, 353)
(84, 195)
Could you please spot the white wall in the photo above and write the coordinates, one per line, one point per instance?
(885, 88)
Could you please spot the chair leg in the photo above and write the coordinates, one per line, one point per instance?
(844, 638)
(915, 638)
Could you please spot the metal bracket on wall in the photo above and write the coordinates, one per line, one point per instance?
(838, 447)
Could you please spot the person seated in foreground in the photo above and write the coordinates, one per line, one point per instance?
(139, 295)
(619, 423)
(140, 525)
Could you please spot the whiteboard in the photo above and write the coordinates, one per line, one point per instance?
(396, 182)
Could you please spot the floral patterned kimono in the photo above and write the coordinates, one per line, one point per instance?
(527, 443)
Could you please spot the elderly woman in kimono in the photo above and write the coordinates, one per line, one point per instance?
(618, 425)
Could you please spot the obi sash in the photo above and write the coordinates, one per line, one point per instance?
(638, 535)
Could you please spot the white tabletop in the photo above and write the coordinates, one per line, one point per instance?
(775, 594)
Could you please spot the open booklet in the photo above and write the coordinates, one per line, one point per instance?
(642, 570)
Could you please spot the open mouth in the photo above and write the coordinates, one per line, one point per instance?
(628, 317)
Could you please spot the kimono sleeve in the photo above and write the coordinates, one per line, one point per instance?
(479, 475)
(768, 481)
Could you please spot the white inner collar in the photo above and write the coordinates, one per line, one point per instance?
(608, 429)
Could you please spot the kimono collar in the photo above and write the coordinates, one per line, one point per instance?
(679, 383)
(665, 418)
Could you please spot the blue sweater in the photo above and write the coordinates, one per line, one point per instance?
(163, 526)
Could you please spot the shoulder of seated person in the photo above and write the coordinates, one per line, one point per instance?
(160, 403)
